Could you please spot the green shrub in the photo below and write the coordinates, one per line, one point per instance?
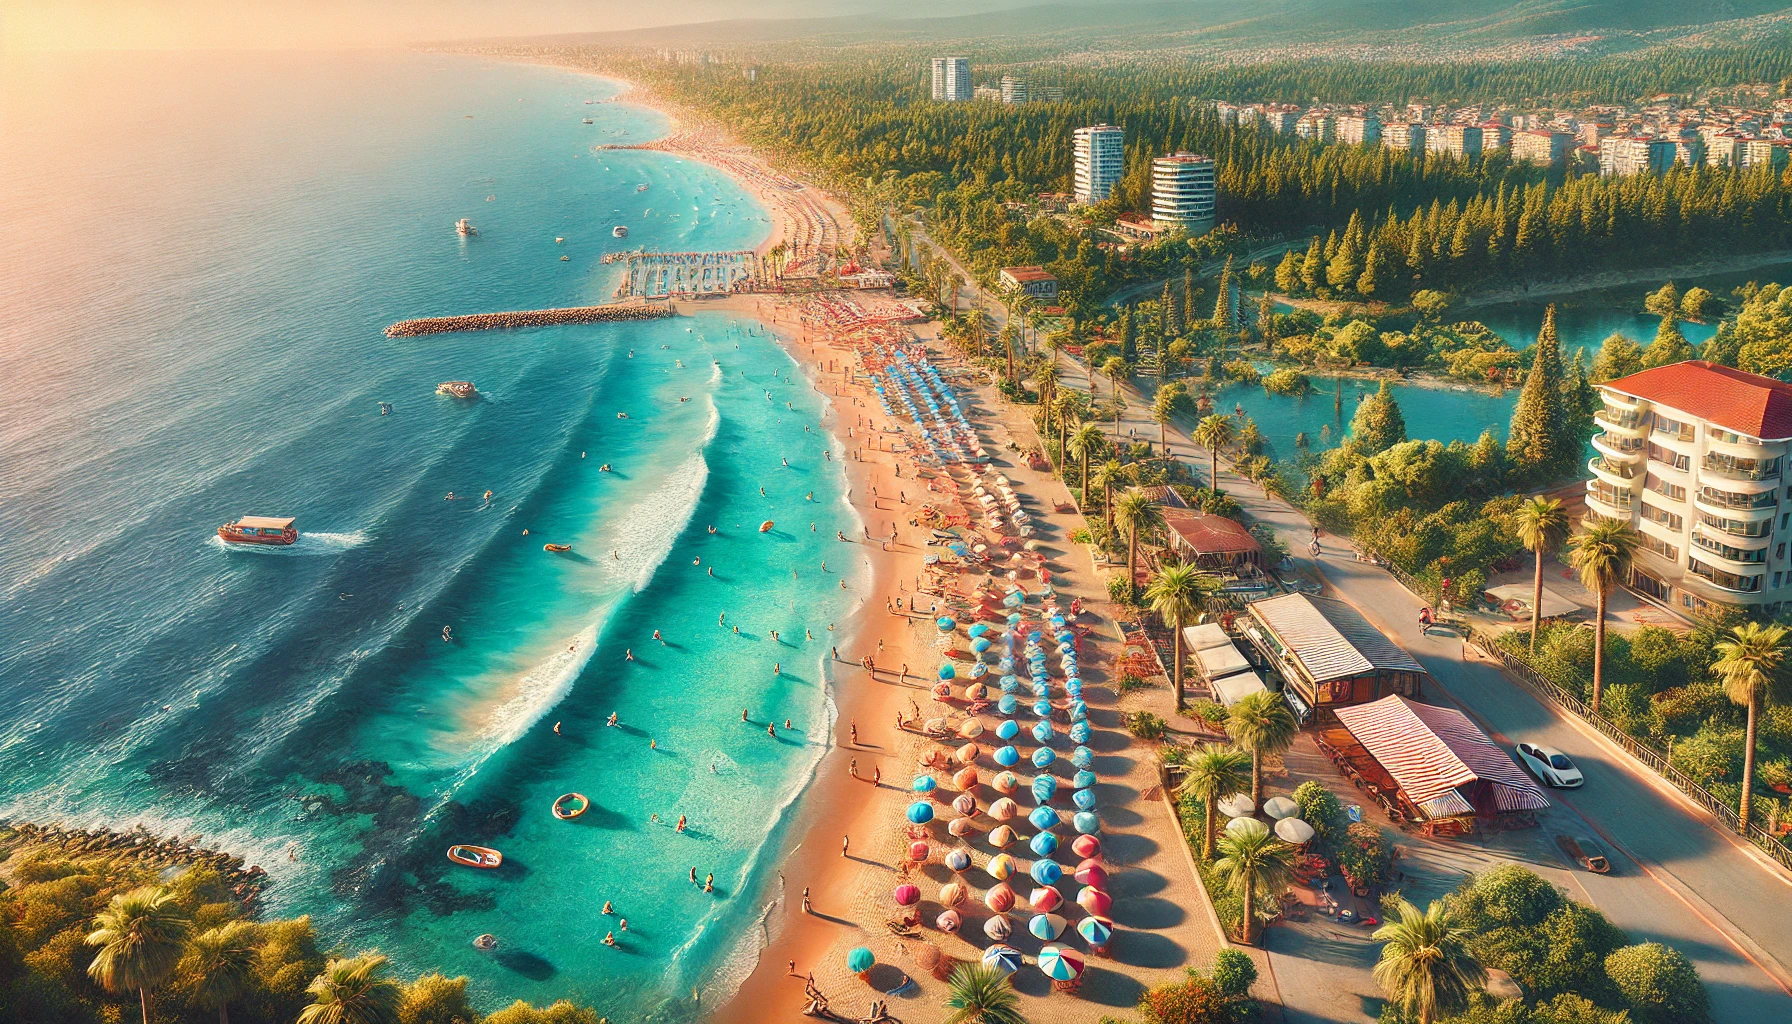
(1145, 725)
(1234, 971)
(1505, 895)
(1212, 712)
(1366, 858)
(1287, 382)
(1658, 983)
(1710, 755)
(1321, 808)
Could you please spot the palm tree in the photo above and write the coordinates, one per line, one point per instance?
(1107, 475)
(1177, 595)
(1137, 514)
(1425, 966)
(141, 935)
(1213, 433)
(1603, 553)
(223, 961)
(1084, 444)
(1262, 724)
(1253, 860)
(1163, 407)
(353, 991)
(1064, 405)
(981, 995)
(1214, 773)
(1748, 662)
(1047, 379)
(1543, 526)
(1116, 369)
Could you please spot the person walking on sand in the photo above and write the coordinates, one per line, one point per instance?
(855, 735)
(845, 842)
(807, 909)
(852, 768)
(877, 775)
(904, 672)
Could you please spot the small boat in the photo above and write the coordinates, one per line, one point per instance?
(641, 187)
(571, 805)
(566, 259)
(259, 530)
(457, 388)
(558, 239)
(765, 527)
(587, 120)
(619, 231)
(464, 226)
(475, 856)
(486, 942)
(556, 548)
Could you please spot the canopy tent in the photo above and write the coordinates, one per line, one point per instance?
(1217, 662)
(1207, 634)
(1445, 766)
(1517, 598)
(1234, 688)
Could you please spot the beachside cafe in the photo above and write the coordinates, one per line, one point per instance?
(1327, 654)
(1214, 543)
(1227, 672)
(1431, 766)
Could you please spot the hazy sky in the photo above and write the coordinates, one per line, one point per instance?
(180, 24)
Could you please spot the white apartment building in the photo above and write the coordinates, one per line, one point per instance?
(1281, 118)
(1627, 154)
(1543, 147)
(1317, 124)
(1014, 90)
(1183, 192)
(1495, 135)
(1463, 140)
(1766, 152)
(1407, 138)
(1359, 129)
(1694, 456)
(1100, 161)
(951, 79)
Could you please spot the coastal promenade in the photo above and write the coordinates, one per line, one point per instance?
(609, 313)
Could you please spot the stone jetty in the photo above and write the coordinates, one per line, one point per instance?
(140, 846)
(529, 318)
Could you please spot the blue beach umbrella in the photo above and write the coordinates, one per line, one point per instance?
(1006, 959)
(1082, 757)
(1014, 618)
(946, 624)
(1008, 729)
(925, 784)
(1009, 684)
(860, 960)
(1079, 732)
(1084, 799)
(1084, 779)
(977, 630)
(1046, 871)
(947, 671)
(957, 860)
(920, 812)
(1086, 822)
(1074, 687)
(1007, 705)
(1044, 787)
(1094, 931)
(980, 645)
(1042, 708)
(1043, 818)
(979, 670)
(1044, 844)
(1046, 926)
(1042, 732)
(1043, 757)
(1007, 756)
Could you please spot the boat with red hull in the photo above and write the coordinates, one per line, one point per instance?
(259, 530)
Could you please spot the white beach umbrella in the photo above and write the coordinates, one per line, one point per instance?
(1238, 805)
(1242, 827)
(1294, 830)
(1280, 807)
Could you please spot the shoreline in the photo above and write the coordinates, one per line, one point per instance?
(1606, 280)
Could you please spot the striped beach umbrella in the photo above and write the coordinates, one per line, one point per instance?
(1060, 964)
(1080, 732)
(1045, 899)
(1007, 703)
(907, 895)
(1042, 732)
(1000, 898)
(1000, 867)
(1044, 756)
(1044, 787)
(1001, 837)
(1091, 871)
(1095, 901)
(1082, 757)
(1046, 927)
(919, 851)
(1002, 958)
(1095, 931)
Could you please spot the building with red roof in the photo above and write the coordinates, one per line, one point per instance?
(1212, 542)
(1694, 456)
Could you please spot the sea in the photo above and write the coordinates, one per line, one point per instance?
(200, 254)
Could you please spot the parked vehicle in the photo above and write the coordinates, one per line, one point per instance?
(1586, 853)
(1551, 766)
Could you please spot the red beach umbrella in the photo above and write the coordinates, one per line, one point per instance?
(907, 895)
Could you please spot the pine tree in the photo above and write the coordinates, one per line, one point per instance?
(1579, 398)
(1378, 424)
(1128, 333)
(1619, 356)
(1312, 269)
(1488, 460)
(1669, 346)
(1266, 323)
(1536, 446)
(1378, 279)
(1345, 266)
(1188, 297)
(1166, 314)
(1288, 273)
(1223, 317)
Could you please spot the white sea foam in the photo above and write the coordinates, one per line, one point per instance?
(309, 543)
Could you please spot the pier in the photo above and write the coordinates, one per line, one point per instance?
(528, 318)
(661, 275)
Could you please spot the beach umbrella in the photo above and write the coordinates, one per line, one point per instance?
(960, 827)
(998, 927)
(1086, 846)
(907, 895)
(958, 860)
(1046, 926)
(1074, 687)
(1000, 867)
(1007, 756)
(965, 780)
(1294, 830)
(1091, 871)
(1007, 730)
(975, 691)
(925, 784)
(1007, 704)
(1044, 844)
(1042, 732)
(968, 753)
(979, 645)
(1095, 901)
(1059, 963)
(920, 812)
(1042, 708)
(979, 670)
(918, 851)
(1000, 898)
(860, 960)
(1044, 756)
(1080, 732)
(1046, 871)
(946, 624)
(1004, 809)
(948, 671)
(977, 629)
(1084, 779)
(1079, 712)
(948, 921)
(1045, 899)
(1281, 807)
(1082, 757)
(1095, 931)
(972, 727)
(1005, 782)
(942, 691)
(1086, 822)
(1014, 618)
(1002, 958)
(1009, 681)
(1044, 817)
(1238, 805)
(1084, 799)
(1243, 827)
(1044, 787)
(1001, 837)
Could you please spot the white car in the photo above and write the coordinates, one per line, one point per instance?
(1550, 765)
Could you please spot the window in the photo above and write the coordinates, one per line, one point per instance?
(1722, 550)
(1776, 580)
(1669, 458)
(1726, 580)
(1673, 428)
(1736, 527)
(1780, 552)
(1720, 434)
(1733, 499)
(1667, 519)
(1673, 492)
(1661, 547)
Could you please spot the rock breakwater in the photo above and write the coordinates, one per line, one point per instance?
(608, 313)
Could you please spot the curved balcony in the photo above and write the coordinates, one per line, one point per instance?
(1629, 426)
(1729, 555)
(1612, 471)
(1753, 474)
(1721, 580)
(1610, 503)
(1618, 447)
(1732, 509)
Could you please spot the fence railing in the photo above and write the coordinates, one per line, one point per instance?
(1543, 686)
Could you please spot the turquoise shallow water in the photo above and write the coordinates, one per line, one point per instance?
(208, 250)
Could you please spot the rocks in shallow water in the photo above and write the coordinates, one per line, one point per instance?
(140, 845)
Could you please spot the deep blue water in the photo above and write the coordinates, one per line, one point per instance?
(201, 254)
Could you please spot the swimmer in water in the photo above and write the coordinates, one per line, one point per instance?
(681, 823)
(762, 492)
(556, 728)
(609, 908)
(612, 719)
(709, 882)
(657, 636)
(809, 497)
(609, 938)
(787, 462)
(449, 496)
(447, 634)
(488, 497)
(628, 654)
(712, 529)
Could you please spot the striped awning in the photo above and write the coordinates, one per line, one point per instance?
(1436, 754)
(1330, 639)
